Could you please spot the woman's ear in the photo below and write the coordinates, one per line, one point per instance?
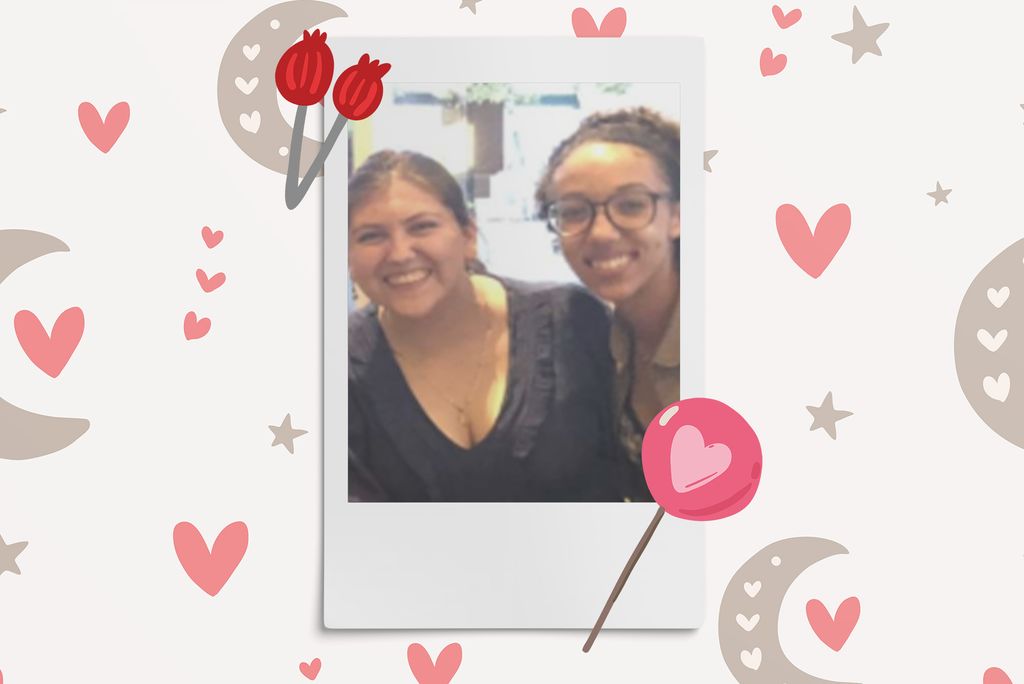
(674, 228)
(471, 241)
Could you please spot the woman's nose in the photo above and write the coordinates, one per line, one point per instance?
(402, 247)
(602, 228)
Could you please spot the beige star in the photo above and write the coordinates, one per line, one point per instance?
(826, 417)
(471, 4)
(8, 552)
(939, 195)
(862, 38)
(708, 156)
(285, 434)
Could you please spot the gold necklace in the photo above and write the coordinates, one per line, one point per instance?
(461, 408)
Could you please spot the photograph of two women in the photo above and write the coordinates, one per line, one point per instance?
(513, 261)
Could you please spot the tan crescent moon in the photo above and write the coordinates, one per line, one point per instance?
(24, 434)
(246, 93)
(748, 620)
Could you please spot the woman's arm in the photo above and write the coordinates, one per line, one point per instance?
(362, 485)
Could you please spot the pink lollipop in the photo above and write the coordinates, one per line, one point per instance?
(702, 461)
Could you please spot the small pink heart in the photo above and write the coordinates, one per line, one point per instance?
(50, 352)
(426, 671)
(833, 632)
(210, 569)
(813, 252)
(211, 238)
(771, 65)
(194, 329)
(691, 463)
(309, 670)
(612, 26)
(785, 20)
(209, 284)
(994, 675)
(103, 133)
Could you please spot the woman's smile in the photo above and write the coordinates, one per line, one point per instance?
(612, 265)
(409, 279)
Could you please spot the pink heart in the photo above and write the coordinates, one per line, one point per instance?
(194, 329)
(994, 675)
(211, 238)
(427, 672)
(50, 352)
(771, 65)
(833, 632)
(209, 284)
(612, 26)
(813, 253)
(691, 463)
(103, 133)
(309, 670)
(210, 569)
(785, 20)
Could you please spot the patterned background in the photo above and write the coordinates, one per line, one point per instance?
(915, 486)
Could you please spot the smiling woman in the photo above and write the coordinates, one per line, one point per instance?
(610, 193)
(465, 386)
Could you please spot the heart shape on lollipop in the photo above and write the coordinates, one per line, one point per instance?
(692, 463)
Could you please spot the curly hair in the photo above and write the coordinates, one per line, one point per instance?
(637, 126)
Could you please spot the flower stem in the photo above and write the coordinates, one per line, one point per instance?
(295, 190)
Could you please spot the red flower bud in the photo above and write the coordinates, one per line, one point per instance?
(305, 70)
(359, 89)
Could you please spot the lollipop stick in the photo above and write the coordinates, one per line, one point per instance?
(624, 576)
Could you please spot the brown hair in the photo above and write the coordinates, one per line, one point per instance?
(637, 126)
(375, 174)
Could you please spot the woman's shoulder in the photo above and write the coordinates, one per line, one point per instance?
(565, 298)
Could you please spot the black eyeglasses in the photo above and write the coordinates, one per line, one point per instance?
(626, 210)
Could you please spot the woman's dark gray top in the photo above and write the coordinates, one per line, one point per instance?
(553, 439)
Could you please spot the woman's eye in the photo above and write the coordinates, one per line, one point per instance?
(369, 237)
(422, 227)
(631, 206)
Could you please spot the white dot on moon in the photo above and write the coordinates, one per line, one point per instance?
(283, 151)
(667, 415)
(275, 24)
(776, 561)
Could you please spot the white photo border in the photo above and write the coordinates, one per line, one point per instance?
(515, 565)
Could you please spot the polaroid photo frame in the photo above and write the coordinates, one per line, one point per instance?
(509, 565)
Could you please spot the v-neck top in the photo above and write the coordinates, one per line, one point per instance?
(553, 438)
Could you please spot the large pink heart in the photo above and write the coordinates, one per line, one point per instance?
(103, 133)
(195, 327)
(427, 671)
(612, 26)
(833, 632)
(691, 463)
(994, 675)
(311, 669)
(813, 252)
(210, 569)
(50, 353)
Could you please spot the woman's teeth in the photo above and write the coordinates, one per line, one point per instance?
(611, 265)
(408, 278)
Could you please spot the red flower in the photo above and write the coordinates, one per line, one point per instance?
(359, 89)
(305, 70)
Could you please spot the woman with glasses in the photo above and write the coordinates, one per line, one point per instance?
(611, 194)
(465, 386)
